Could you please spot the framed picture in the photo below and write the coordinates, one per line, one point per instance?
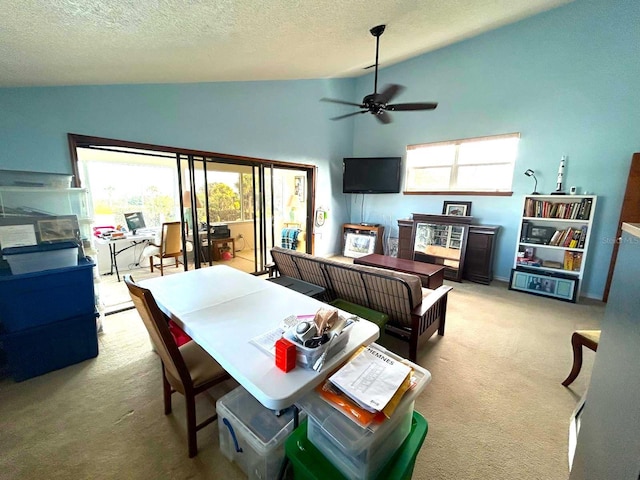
(461, 209)
(57, 229)
(560, 286)
(299, 183)
(357, 245)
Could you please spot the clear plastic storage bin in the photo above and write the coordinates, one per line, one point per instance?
(361, 453)
(37, 258)
(251, 435)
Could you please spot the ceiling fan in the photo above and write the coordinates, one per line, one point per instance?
(378, 103)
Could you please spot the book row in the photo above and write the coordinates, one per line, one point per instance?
(580, 210)
(570, 237)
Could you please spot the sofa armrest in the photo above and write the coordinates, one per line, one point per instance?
(430, 300)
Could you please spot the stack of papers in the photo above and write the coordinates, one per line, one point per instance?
(372, 378)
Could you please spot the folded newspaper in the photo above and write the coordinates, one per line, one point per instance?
(371, 378)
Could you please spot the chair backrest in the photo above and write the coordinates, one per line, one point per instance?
(158, 327)
(171, 238)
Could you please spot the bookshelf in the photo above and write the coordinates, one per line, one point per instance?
(553, 243)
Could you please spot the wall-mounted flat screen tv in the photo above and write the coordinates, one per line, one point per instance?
(371, 175)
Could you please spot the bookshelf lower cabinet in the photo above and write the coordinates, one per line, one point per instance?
(553, 243)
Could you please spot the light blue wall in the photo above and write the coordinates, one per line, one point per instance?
(567, 80)
(272, 120)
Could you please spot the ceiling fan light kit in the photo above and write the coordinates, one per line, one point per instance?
(378, 103)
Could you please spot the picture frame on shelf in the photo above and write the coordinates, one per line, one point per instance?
(460, 209)
(560, 286)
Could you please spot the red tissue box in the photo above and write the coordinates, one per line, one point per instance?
(285, 355)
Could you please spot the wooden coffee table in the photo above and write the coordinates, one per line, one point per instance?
(430, 275)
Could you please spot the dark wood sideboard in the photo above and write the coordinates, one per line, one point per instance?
(481, 241)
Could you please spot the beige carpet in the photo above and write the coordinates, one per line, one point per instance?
(495, 406)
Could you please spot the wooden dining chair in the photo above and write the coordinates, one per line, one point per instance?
(169, 246)
(187, 369)
(581, 338)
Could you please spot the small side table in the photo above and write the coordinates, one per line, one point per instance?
(218, 245)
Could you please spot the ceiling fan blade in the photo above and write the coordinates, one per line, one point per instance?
(383, 117)
(388, 93)
(399, 107)
(342, 102)
(348, 115)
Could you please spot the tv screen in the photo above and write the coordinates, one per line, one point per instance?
(371, 175)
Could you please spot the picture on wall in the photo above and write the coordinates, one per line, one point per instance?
(461, 209)
(562, 287)
(299, 188)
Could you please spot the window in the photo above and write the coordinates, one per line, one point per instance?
(483, 164)
(124, 183)
(230, 195)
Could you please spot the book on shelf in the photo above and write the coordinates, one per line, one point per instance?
(552, 264)
(572, 261)
(529, 262)
(583, 236)
(575, 238)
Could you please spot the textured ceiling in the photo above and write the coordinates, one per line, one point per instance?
(74, 42)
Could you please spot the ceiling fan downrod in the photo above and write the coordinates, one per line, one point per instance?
(376, 32)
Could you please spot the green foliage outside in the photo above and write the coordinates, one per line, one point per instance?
(225, 202)
(154, 205)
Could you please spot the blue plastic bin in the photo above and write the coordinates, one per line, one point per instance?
(40, 350)
(35, 299)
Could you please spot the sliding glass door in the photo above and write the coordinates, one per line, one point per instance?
(233, 209)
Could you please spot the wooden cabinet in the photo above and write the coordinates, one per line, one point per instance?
(359, 240)
(405, 228)
(478, 265)
(478, 260)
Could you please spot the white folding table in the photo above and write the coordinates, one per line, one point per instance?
(133, 240)
(223, 309)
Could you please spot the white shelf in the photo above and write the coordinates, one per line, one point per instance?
(17, 201)
(547, 224)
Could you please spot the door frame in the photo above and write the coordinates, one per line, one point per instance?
(76, 141)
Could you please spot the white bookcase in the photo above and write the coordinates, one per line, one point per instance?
(553, 244)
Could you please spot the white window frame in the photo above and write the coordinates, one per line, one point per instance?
(411, 167)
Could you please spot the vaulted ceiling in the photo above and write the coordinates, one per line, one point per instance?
(75, 42)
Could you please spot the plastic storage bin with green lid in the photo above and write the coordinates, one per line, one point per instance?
(309, 463)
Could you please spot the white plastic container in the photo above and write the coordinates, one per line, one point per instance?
(361, 453)
(41, 257)
(306, 357)
(251, 435)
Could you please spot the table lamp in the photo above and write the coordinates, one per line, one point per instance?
(530, 173)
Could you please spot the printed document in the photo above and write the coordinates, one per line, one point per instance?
(372, 378)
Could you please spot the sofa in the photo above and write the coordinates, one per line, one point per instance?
(415, 313)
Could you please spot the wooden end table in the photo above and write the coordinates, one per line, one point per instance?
(218, 244)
